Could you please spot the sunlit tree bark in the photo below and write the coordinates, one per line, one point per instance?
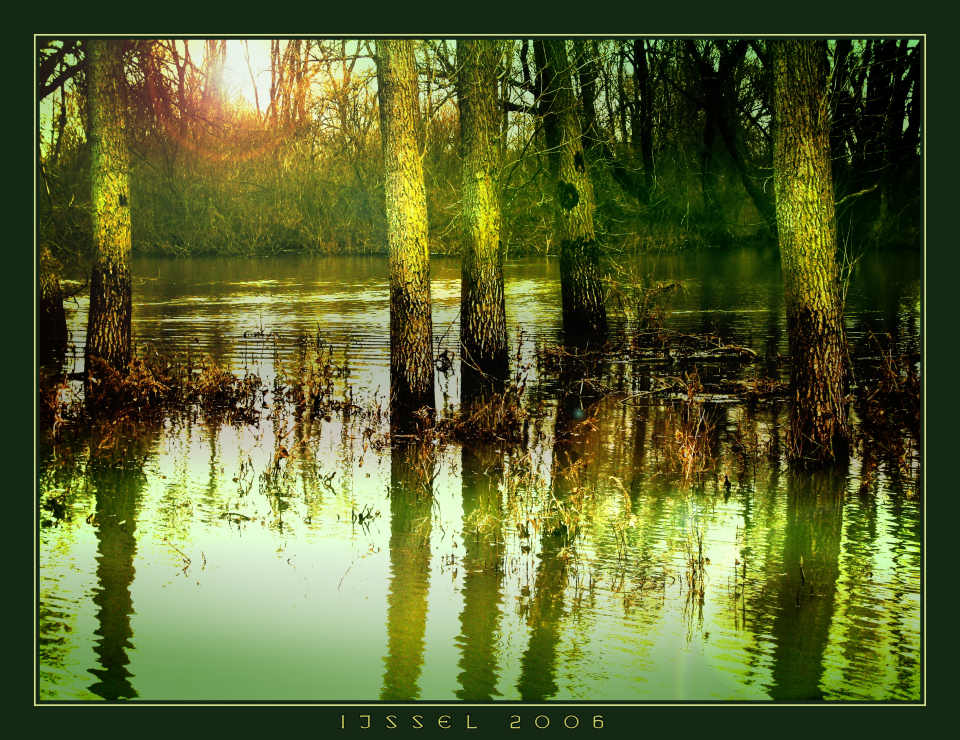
(584, 313)
(108, 326)
(483, 328)
(411, 328)
(803, 186)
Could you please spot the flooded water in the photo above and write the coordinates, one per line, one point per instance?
(581, 564)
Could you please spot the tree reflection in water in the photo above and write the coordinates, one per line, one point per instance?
(411, 505)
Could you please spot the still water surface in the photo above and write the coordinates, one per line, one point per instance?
(204, 568)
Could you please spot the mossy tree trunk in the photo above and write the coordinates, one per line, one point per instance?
(108, 325)
(584, 312)
(483, 326)
(51, 319)
(819, 430)
(411, 327)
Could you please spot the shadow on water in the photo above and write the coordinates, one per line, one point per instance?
(807, 587)
(411, 513)
(119, 491)
(537, 680)
(483, 568)
(558, 528)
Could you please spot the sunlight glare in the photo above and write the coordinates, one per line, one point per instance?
(237, 83)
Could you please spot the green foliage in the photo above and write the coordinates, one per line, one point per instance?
(305, 172)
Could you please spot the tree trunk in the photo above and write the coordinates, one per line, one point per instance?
(594, 141)
(893, 134)
(483, 326)
(819, 431)
(584, 313)
(913, 136)
(51, 319)
(108, 325)
(879, 93)
(841, 113)
(644, 115)
(587, 73)
(411, 322)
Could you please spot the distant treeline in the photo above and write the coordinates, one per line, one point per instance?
(677, 133)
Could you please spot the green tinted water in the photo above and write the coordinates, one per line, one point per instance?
(203, 568)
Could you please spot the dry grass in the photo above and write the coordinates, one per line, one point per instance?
(151, 386)
(888, 400)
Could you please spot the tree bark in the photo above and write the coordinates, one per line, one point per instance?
(411, 322)
(584, 312)
(108, 324)
(483, 326)
(819, 431)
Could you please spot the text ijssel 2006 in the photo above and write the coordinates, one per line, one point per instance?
(451, 720)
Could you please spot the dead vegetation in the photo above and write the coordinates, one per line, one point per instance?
(643, 301)
(500, 416)
(695, 432)
(690, 376)
(888, 402)
(152, 385)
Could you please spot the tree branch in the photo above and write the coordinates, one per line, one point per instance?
(59, 80)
